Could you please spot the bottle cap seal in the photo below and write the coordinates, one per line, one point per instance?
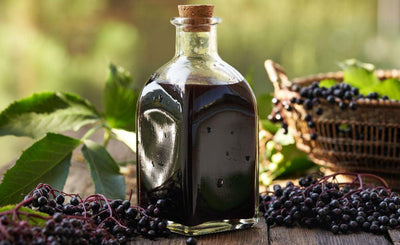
(198, 17)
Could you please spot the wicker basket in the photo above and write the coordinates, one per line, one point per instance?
(376, 151)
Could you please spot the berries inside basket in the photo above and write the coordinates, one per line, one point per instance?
(338, 127)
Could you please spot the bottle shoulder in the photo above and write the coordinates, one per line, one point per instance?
(181, 75)
(197, 70)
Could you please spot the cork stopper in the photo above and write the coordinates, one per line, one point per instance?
(197, 15)
(196, 10)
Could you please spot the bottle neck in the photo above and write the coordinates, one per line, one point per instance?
(196, 44)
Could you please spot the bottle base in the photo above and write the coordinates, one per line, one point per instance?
(212, 226)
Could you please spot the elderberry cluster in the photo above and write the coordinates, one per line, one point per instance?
(343, 95)
(73, 220)
(338, 207)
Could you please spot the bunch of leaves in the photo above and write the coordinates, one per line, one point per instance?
(43, 116)
(362, 76)
(279, 155)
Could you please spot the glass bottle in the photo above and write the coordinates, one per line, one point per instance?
(197, 135)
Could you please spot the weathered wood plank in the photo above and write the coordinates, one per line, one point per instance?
(279, 236)
(327, 238)
(284, 236)
(178, 240)
(256, 235)
(79, 182)
(394, 236)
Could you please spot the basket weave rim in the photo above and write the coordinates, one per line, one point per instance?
(381, 74)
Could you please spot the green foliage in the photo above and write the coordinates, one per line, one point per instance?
(129, 138)
(120, 113)
(359, 75)
(327, 83)
(46, 161)
(269, 126)
(362, 76)
(264, 105)
(45, 112)
(33, 221)
(389, 87)
(104, 171)
(282, 158)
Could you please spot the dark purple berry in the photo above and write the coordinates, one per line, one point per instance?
(338, 93)
(287, 107)
(353, 105)
(307, 104)
(311, 124)
(342, 105)
(60, 199)
(313, 136)
(275, 101)
(330, 99)
(191, 241)
(304, 92)
(42, 201)
(299, 101)
(74, 201)
(295, 87)
(385, 97)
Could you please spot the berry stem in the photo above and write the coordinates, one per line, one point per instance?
(91, 131)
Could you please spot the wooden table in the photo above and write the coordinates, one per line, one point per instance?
(260, 234)
(79, 182)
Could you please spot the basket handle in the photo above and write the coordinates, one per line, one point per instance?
(277, 75)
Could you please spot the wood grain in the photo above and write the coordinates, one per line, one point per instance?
(255, 235)
(79, 182)
(284, 236)
(394, 236)
(281, 236)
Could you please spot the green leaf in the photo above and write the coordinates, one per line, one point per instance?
(288, 161)
(104, 171)
(359, 75)
(356, 63)
(327, 83)
(297, 166)
(46, 161)
(389, 87)
(119, 99)
(33, 221)
(264, 105)
(128, 138)
(269, 126)
(362, 76)
(44, 112)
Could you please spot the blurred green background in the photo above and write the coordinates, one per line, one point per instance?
(66, 45)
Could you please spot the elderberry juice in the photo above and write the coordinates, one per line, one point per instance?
(197, 150)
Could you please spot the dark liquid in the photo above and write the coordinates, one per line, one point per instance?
(197, 148)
